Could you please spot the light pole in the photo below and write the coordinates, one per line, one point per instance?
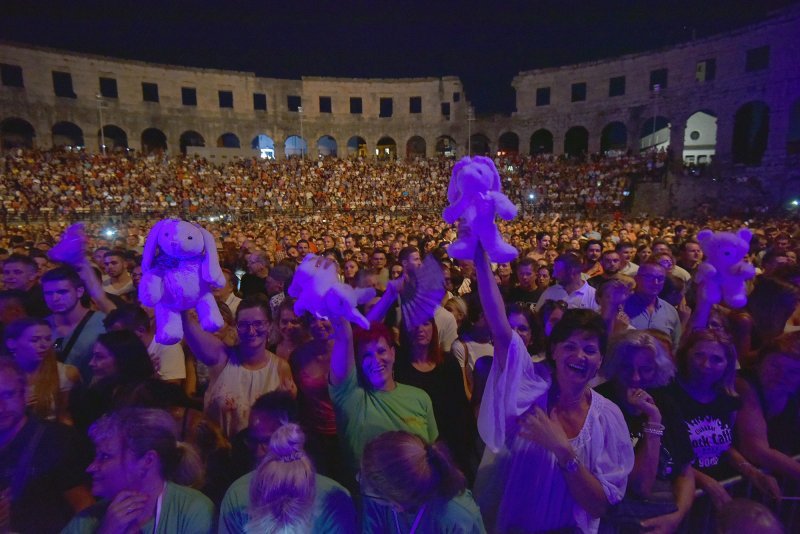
(470, 118)
(302, 139)
(656, 92)
(100, 103)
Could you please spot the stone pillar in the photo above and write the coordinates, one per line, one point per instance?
(280, 150)
(677, 135)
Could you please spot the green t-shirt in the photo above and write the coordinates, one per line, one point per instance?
(333, 509)
(183, 511)
(459, 515)
(362, 414)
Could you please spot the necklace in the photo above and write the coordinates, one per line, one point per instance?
(414, 525)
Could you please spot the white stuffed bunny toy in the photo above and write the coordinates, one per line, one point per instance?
(179, 268)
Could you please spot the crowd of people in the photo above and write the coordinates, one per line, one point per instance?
(588, 385)
(59, 183)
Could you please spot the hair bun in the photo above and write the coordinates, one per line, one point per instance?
(286, 443)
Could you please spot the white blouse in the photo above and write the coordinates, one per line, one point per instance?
(520, 487)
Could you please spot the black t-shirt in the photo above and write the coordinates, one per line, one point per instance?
(57, 463)
(518, 294)
(710, 429)
(453, 413)
(676, 449)
(252, 285)
(777, 425)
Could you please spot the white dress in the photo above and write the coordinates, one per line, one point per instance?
(520, 487)
(233, 391)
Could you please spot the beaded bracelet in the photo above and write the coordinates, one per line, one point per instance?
(654, 429)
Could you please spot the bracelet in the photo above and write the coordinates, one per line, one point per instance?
(655, 429)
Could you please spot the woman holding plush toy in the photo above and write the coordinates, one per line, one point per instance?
(240, 374)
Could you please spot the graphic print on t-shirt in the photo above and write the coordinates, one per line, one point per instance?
(710, 438)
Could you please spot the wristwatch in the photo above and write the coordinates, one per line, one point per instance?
(572, 465)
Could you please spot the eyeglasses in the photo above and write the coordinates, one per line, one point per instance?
(244, 326)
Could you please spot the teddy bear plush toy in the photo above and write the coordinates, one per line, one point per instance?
(318, 291)
(476, 198)
(179, 269)
(722, 276)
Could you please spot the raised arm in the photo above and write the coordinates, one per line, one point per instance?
(493, 307)
(206, 346)
(94, 288)
(343, 358)
(384, 304)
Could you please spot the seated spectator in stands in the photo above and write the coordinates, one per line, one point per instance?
(242, 373)
(410, 485)
(285, 494)
(169, 361)
(42, 463)
(770, 395)
(570, 286)
(20, 273)
(365, 395)
(119, 363)
(704, 392)
(141, 472)
(646, 310)
(226, 293)
(661, 486)
(548, 429)
(29, 341)
(119, 281)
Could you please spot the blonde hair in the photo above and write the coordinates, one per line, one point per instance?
(283, 487)
(726, 383)
(626, 345)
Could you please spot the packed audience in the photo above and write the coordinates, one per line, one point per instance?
(589, 385)
(74, 184)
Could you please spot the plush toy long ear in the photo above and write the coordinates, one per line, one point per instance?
(151, 246)
(454, 189)
(209, 269)
(495, 175)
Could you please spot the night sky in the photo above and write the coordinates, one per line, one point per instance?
(485, 44)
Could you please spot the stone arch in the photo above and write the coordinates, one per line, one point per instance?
(654, 133)
(265, 146)
(67, 134)
(114, 136)
(541, 142)
(415, 147)
(793, 137)
(356, 147)
(228, 140)
(614, 137)
(190, 138)
(750, 133)
(479, 145)
(445, 146)
(326, 146)
(576, 141)
(508, 143)
(700, 137)
(386, 148)
(16, 133)
(153, 140)
(295, 146)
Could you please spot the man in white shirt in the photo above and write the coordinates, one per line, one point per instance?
(169, 360)
(570, 287)
(119, 280)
